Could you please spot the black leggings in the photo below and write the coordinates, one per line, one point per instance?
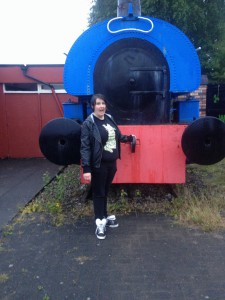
(101, 180)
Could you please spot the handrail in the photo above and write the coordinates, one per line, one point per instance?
(131, 28)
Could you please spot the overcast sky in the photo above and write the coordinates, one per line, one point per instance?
(40, 31)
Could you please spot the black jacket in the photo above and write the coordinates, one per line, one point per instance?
(91, 144)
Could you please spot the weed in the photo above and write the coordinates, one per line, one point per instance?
(82, 259)
(82, 210)
(216, 99)
(34, 206)
(54, 206)
(123, 194)
(46, 178)
(24, 271)
(2, 249)
(222, 118)
(7, 230)
(4, 277)
(119, 207)
(58, 220)
(138, 193)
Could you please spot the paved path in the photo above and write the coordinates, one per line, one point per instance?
(146, 257)
(20, 181)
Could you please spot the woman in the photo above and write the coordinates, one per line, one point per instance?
(100, 148)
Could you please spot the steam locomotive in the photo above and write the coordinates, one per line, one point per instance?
(141, 64)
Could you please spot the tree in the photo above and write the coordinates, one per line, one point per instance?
(201, 20)
(216, 63)
(101, 10)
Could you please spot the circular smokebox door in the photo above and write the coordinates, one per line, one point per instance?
(133, 73)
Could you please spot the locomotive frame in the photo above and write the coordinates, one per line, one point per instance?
(141, 65)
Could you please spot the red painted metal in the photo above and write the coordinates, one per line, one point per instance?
(158, 157)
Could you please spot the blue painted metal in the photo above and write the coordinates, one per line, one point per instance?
(182, 58)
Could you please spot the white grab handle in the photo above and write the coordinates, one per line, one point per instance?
(131, 28)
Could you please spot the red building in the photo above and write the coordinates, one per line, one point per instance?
(30, 96)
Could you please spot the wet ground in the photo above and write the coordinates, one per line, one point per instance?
(146, 257)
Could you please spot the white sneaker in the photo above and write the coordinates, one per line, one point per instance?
(111, 221)
(100, 229)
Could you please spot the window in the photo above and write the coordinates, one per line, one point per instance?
(33, 88)
(20, 87)
(58, 87)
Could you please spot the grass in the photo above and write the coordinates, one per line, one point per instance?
(203, 210)
(200, 202)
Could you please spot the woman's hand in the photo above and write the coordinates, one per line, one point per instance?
(87, 176)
